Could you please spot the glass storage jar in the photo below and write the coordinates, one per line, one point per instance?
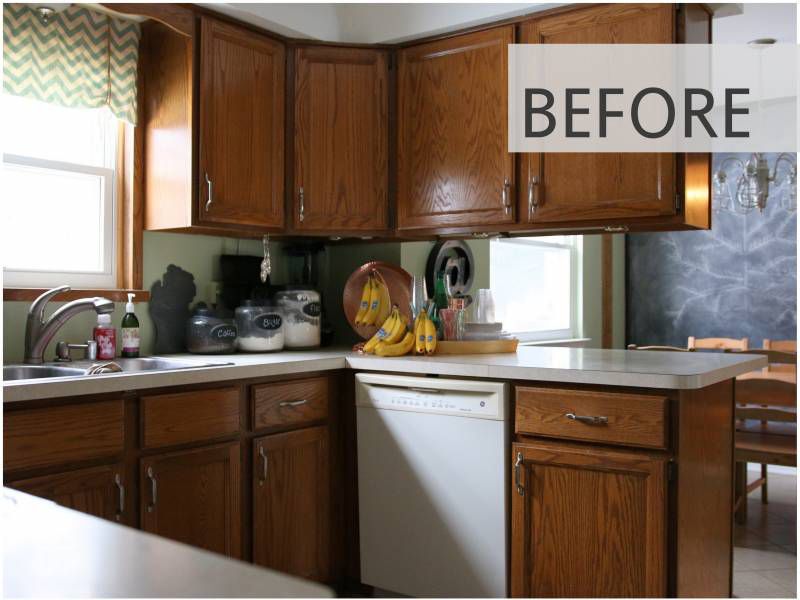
(207, 333)
(260, 327)
(301, 313)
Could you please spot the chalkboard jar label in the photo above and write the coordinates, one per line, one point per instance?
(313, 309)
(269, 322)
(223, 332)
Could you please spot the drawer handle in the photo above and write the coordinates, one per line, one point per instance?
(517, 482)
(293, 403)
(121, 489)
(264, 464)
(587, 420)
(153, 489)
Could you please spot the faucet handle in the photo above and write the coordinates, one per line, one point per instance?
(37, 306)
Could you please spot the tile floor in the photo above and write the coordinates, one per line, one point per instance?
(765, 548)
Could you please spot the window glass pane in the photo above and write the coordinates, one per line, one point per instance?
(532, 284)
(52, 132)
(53, 220)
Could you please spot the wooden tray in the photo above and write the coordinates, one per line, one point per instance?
(483, 347)
(397, 280)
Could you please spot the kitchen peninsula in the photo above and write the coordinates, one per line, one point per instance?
(265, 445)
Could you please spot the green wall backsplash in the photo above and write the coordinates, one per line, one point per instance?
(200, 256)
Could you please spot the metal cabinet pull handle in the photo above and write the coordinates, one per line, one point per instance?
(517, 482)
(264, 464)
(121, 489)
(292, 403)
(587, 420)
(153, 489)
(210, 187)
(505, 194)
(533, 200)
(302, 196)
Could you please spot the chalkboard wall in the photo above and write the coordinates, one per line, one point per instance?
(737, 280)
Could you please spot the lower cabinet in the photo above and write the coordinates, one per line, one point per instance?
(571, 505)
(98, 491)
(193, 496)
(291, 502)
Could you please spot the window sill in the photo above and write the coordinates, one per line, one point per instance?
(11, 294)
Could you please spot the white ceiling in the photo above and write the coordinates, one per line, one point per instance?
(384, 23)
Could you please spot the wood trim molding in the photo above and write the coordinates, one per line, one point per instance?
(607, 279)
(11, 294)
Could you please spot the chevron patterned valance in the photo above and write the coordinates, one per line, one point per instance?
(79, 58)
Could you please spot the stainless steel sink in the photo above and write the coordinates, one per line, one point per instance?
(79, 368)
(15, 372)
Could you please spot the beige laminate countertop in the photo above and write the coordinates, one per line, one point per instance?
(55, 552)
(642, 369)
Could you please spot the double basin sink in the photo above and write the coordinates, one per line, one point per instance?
(85, 368)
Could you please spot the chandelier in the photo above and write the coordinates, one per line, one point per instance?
(747, 185)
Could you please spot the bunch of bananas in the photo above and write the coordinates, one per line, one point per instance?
(393, 337)
(376, 305)
(424, 334)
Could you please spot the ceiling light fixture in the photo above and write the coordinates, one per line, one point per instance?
(752, 183)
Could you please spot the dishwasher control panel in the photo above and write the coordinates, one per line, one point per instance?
(486, 404)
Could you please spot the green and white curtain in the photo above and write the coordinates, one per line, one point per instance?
(78, 58)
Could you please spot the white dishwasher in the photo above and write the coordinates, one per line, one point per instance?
(432, 485)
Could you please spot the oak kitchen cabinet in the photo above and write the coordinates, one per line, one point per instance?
(453, 164)
(620, 189)
(588, 522)
(291, 502)
(341, 123)
(212, 126)
(193, 496)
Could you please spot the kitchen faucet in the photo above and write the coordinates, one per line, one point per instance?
(39, 332)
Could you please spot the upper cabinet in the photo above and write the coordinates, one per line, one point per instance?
(213, 126)
(453, 164)
(241, 127)
(341, 123)
(559, 187)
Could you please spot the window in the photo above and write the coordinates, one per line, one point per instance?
(59, 215)
(536, 286)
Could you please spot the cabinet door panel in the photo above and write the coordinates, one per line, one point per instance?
(590, 523)
(291, 503)
(584, 186)
(192, 496)
(341, 139)
(241, 127)
(453, 158)
(97, 491)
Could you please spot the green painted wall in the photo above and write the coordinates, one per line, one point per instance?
(200, 256)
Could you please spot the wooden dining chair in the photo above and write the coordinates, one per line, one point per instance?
(661, 348)
(766, 425)
(781, 346)
(717, 343)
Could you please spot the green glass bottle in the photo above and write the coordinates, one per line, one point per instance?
(130, 331)
(440, 301)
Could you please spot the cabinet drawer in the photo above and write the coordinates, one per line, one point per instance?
(625, 419)
(184, 417)
(50, 436)
(290, 402)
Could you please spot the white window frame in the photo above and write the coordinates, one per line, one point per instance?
(575, 246)
(106, 279)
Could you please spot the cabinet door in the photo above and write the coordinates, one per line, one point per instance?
(341, 139)
(192, 496)
(454, 168)
(241, 127)
(582, 186)
(589, 522)
(98, 491)
(291, 502)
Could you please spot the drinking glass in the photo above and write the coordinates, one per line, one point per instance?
(419, 296)
(484, 312)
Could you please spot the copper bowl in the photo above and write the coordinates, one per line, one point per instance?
(397, 280)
